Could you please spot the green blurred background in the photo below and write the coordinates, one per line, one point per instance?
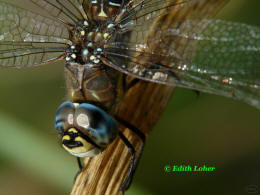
(207, 130)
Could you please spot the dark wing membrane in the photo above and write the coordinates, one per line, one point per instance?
(28, 39)
(223, 59)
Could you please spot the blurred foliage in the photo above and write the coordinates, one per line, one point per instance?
(206, 129)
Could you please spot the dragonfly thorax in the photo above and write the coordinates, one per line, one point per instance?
(88, 42)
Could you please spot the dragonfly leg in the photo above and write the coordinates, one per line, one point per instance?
(132, 163)
(80, 169)
(197, 92)
(132, 128)
(132, 83)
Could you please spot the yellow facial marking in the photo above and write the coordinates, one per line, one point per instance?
(78, 150)
(66, 137)
(73, 130)
(87, 146)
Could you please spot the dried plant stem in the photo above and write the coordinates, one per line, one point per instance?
(105, 173)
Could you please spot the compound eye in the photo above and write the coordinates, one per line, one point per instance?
(95, 124)
(64, 117)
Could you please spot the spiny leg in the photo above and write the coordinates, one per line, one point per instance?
(132, 83)
(132, 128)
(135, 166)
(79, 164)
(132, 162)
(80, 169)
(197, 93)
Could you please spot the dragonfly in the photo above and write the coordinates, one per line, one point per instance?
(105, 42)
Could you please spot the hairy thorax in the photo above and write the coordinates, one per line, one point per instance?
(90, 79)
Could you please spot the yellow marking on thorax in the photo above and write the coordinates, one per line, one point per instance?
(102, 13)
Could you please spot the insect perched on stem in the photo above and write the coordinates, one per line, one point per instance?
(110, 45)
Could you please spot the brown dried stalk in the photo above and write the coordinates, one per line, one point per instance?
(105, 173)
(144, 103)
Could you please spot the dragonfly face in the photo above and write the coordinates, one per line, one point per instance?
(85, 129)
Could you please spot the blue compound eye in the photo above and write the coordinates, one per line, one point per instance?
(64, 117)
(95, 123)
(85, 129)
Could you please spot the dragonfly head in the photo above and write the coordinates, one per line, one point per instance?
(85, 129)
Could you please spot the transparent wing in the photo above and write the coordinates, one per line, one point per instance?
(28, 39)
(146, 13)
(223, 58)
(66, 11)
